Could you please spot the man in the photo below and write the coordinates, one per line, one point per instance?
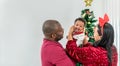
(52, 52)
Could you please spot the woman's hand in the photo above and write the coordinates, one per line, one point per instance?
(71, 30)
(96, 35)
(70, 33)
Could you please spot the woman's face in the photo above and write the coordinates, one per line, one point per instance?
(96, 34)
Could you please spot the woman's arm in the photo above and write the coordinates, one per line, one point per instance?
(75, 52)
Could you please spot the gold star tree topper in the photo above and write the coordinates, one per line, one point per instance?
(88, 2)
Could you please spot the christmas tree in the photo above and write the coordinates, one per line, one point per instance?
(89, 17)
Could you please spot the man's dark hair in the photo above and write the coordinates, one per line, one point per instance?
(49, 27)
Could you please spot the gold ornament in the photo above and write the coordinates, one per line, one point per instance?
(89, 23)
(83, 15)
(88, 2)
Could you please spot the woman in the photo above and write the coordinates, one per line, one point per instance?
(101, 53)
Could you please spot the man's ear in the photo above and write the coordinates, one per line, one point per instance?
(53, 35)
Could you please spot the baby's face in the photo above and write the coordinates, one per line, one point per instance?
(79, 26)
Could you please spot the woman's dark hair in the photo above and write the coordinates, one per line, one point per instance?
(80, 19)
(107, 39)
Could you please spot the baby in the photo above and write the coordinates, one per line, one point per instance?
(79, 31)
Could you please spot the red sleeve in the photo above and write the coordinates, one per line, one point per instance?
(87, 55)
(80, 54)
(59, 57)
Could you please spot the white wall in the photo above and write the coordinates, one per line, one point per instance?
(113, 9)
(21, 22)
